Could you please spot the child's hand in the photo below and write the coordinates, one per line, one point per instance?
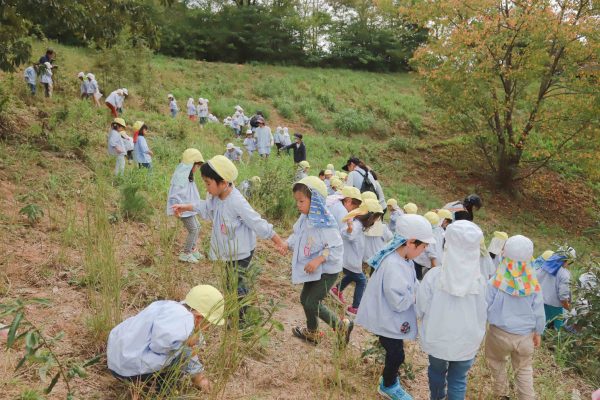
(537, 340)
(179, 208)
(282, 248)
(202, 382)
(312, 266)
(350, 225)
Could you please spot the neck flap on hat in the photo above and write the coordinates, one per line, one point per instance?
(392, 246)
(516, 278)
(182, 174)
(553, 264)
(318, 214)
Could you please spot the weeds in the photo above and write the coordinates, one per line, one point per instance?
(134, 206)
(33, 212)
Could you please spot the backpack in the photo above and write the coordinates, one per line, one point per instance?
(367, 185)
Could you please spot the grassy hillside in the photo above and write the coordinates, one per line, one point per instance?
(100, 254)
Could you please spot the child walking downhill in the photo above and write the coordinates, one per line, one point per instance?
(191, 109)
(555, 281)
(341, 204)
(116, 146)
(141, 152)
(317, 259)
(82, 85)
(30, 76)
(388, 305)
(183, 190)
(515, 310)
(202, 111)
(173, 108)
(250, 143)
(93, 90)
(46, 79)
(235, 224)
(452, 309)
(375, 238)
(353, 236)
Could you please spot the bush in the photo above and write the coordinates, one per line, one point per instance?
(352, 121)
(284, 108)
(134, 206)
(401, 144)
(315, 119)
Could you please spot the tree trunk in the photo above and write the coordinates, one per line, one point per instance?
(508, 166)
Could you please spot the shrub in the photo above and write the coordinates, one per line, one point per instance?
(284, 108)
(134, 206)
(352, 121)
(401, 144)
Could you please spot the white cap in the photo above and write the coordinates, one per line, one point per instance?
(249, 132)
(568, 250)
(229, 146)
(412, 226)
(170, 96)
(80, 75)
(518, 248)
(48, 65)
(125, 92)
(90, 75)
(120, 92)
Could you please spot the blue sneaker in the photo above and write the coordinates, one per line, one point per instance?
(394, 392)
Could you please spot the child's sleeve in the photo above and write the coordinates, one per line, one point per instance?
(424, 295)
(356, 231)
(333, 246)
(563, 279)
(540, 314)
(387, 234)
(203, 208)
(398, 293)
(254, 221)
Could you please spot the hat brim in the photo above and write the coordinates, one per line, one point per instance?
(430, 240)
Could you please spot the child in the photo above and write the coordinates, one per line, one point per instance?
(285, 139)
(31, 78)
(250, 187)
(163, 337)
(340, 205)
(250, 143)
(173, 105)
(555, 281)
(277, 138)
(331, 168)
(235, 124)
(452, 309)
(121, 100)
(116, 147)
(328, 175)
(353, 237)
(93, 90)
(537, 263)
(191, 109)
(141, 151)
(515, 310)
(344, 177)
(321, 176)
(369, 196)
(184, 190)
(377, 236)
(203, 111)
(212, 118)
(129, 145)
(336, 185)
(428, 259)
(388, 304)
(233, 153)
(112, 101)
(264, 138)
(235, 224)
(410, 208)
(317, 258)
(46, 79)
(82, 86)
(496, 246)
(395, 213)
(302, 170)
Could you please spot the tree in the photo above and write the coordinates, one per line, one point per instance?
(14, 49)
(521, 77)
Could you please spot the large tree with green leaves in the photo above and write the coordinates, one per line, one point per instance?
(521, 77)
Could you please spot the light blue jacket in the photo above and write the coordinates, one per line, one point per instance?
(375, 243)
(388, 304)
(555, 288)
(151, 340)
(30, 75)
(115, 140)
(140, 151)
(354, 246)
(338, 211)
(235, 226)
(515, 314)
(182, 191)
(309, 243)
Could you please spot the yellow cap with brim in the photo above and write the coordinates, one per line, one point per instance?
(367, 206)
(224, 167)
(444, 214)
(547, 254)
(410, 208)
(369, 195)
(138, 125)
(314, 183)
(351, 192)
(392, 203)
(191, 156)
(304, 164)
(336, 182)
(120, 121)
(432, 218)
(207, 301)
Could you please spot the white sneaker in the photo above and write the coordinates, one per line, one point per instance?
(188, 258)
(197, 255)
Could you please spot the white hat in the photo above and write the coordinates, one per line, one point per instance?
(518, 248)
(90, 76)
(229, 146)
(48, 65)
(238, 107)
(125, 92)
(170, 96)
(412, 226)
(119, 92)
(80, 75)
(249, 132)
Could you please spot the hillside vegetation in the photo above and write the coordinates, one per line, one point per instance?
(102, 248)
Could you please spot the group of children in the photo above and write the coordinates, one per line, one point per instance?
(121, 145)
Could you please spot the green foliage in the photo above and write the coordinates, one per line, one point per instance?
(33, 212)
(401, 144)
(134, 206)
(39, 348)
(353, 121)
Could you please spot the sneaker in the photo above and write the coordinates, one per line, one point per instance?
(197, 255)
(351, 311)
(394, 392)
(188, 258)
(336, 294)
(348, 327)
(313, 337)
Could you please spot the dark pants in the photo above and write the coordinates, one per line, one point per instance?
(394, 357)
(361, 283)
(32, 88)
(312, 297)
(239, 269)
(419, 270)
(46, 89)
(145, 165)
(130, 155)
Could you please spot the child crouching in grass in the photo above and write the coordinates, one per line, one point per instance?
(388, 305)
(235, 224)
(317, 259)
(158, 343)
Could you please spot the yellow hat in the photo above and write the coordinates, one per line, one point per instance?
(208, 301)
(444, 214)
(328, 172)
(343, 176)
(410, 208)
(336, 182)
(547, 254)
(392, 202)
(314, 183)
(191, 156)
(255, 179)
(432, 217)
(501, 235)
(330, 167)
(369, 195)
(304, 164)
(367, 206)
(351, 192)
(224, 167)
(138, 125)
(120, 121)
